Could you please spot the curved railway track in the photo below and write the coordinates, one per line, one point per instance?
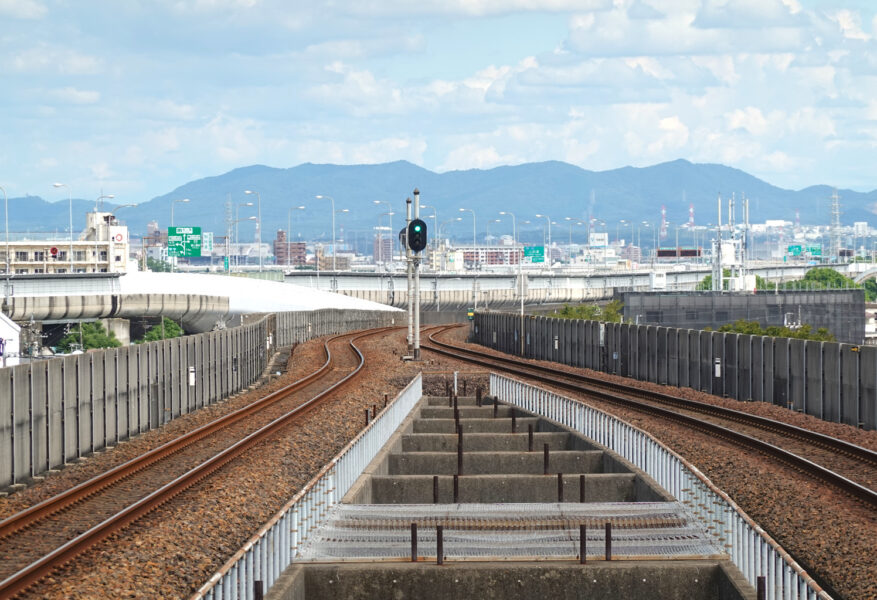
(77, 519)
(703, 417)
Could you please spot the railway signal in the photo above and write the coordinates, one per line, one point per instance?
(417, 235)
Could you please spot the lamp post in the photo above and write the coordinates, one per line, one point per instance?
(389, 212)
(70, 200)
(332, 200)
(475, 257)
(183, 201)
(621, 223)
(380, 236)
(6, 207)
(289, 229)
(250, 218)
(487, 229)
(258, 224)
(434, 222)
(438, 234)
(548, 250)
(101, 197)
(173, 203)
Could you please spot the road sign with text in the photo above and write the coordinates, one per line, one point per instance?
(536, 254)
(184, 241)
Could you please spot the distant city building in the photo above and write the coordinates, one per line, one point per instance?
(383, 245)
(102, 248)
(289, 253)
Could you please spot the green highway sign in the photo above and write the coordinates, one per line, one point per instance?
(814, 250)
(206, 243)
(184, 241)
(795, 249)
(535, 253)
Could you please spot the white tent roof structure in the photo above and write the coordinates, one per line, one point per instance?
(245, 295)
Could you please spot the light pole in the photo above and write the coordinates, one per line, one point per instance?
(173, 203)
(438, 234)
(380, 236)
(621, 223)
(183, 201)
(6, 207)
(475, 257)
(332, 200)
(434, 221)
(289, 229)
(547, 250)
(251, 218)
(70, 199)
(101, 197)
(258, 224)
(389, 212)
(487, 229)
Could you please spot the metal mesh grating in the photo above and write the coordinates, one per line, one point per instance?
(509, 531)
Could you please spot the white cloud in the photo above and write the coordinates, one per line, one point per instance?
(23, 9)
(850, 25)
(46, 58)
(74, 96)
(750, 118)
(476, 156)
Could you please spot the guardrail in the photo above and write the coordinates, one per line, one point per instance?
(750, 548)
(273, 548)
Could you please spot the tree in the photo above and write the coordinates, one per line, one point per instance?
(93, 335)
(821, 278)
(171, 330)
(157, 266)
(706, 284)
(805, 332)
(612, 312)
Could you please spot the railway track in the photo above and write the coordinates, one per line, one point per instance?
(815, 453)
(39, 539)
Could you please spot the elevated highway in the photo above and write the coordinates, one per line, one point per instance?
(452, 291)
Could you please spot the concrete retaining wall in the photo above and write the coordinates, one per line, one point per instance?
(835, 382)
(57, 410)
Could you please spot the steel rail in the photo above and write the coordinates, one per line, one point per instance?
(811, 437)
(29, 575)
(553, 376)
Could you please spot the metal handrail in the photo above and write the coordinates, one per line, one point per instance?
(750, 548)
(273, 548)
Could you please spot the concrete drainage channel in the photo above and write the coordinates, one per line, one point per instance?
(483, 499)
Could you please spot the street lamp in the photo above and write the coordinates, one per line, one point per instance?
(258, 224)
(70, 199)
(548, 253)
(183, 201)
(289, 229)
(332, 200)
(389, 212)
(101, 197)
(6, 207)
(227, 250)
(380, 258)
(434, 222)
(173, 203)
(621, 223)
(487, 232)
(475, 256)
(438, 234)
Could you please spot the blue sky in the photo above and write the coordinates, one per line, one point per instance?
(138, 97)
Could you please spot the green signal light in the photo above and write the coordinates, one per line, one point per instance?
(417, 228)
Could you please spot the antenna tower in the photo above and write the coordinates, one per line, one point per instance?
(835, 226)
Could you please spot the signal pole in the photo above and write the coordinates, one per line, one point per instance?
(409, 268)
(416, 261)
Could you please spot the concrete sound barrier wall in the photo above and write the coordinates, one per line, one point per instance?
(57, 410)
(834, 382)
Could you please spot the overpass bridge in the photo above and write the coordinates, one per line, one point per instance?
(498, 290)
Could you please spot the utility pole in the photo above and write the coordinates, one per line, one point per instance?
(416, 262)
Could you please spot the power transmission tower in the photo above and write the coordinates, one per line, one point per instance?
(835, 227)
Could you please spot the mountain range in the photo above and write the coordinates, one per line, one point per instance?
(554, 188)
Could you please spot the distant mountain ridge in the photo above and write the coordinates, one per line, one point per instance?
(555, 188)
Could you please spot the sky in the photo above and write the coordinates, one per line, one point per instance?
(136, 98)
